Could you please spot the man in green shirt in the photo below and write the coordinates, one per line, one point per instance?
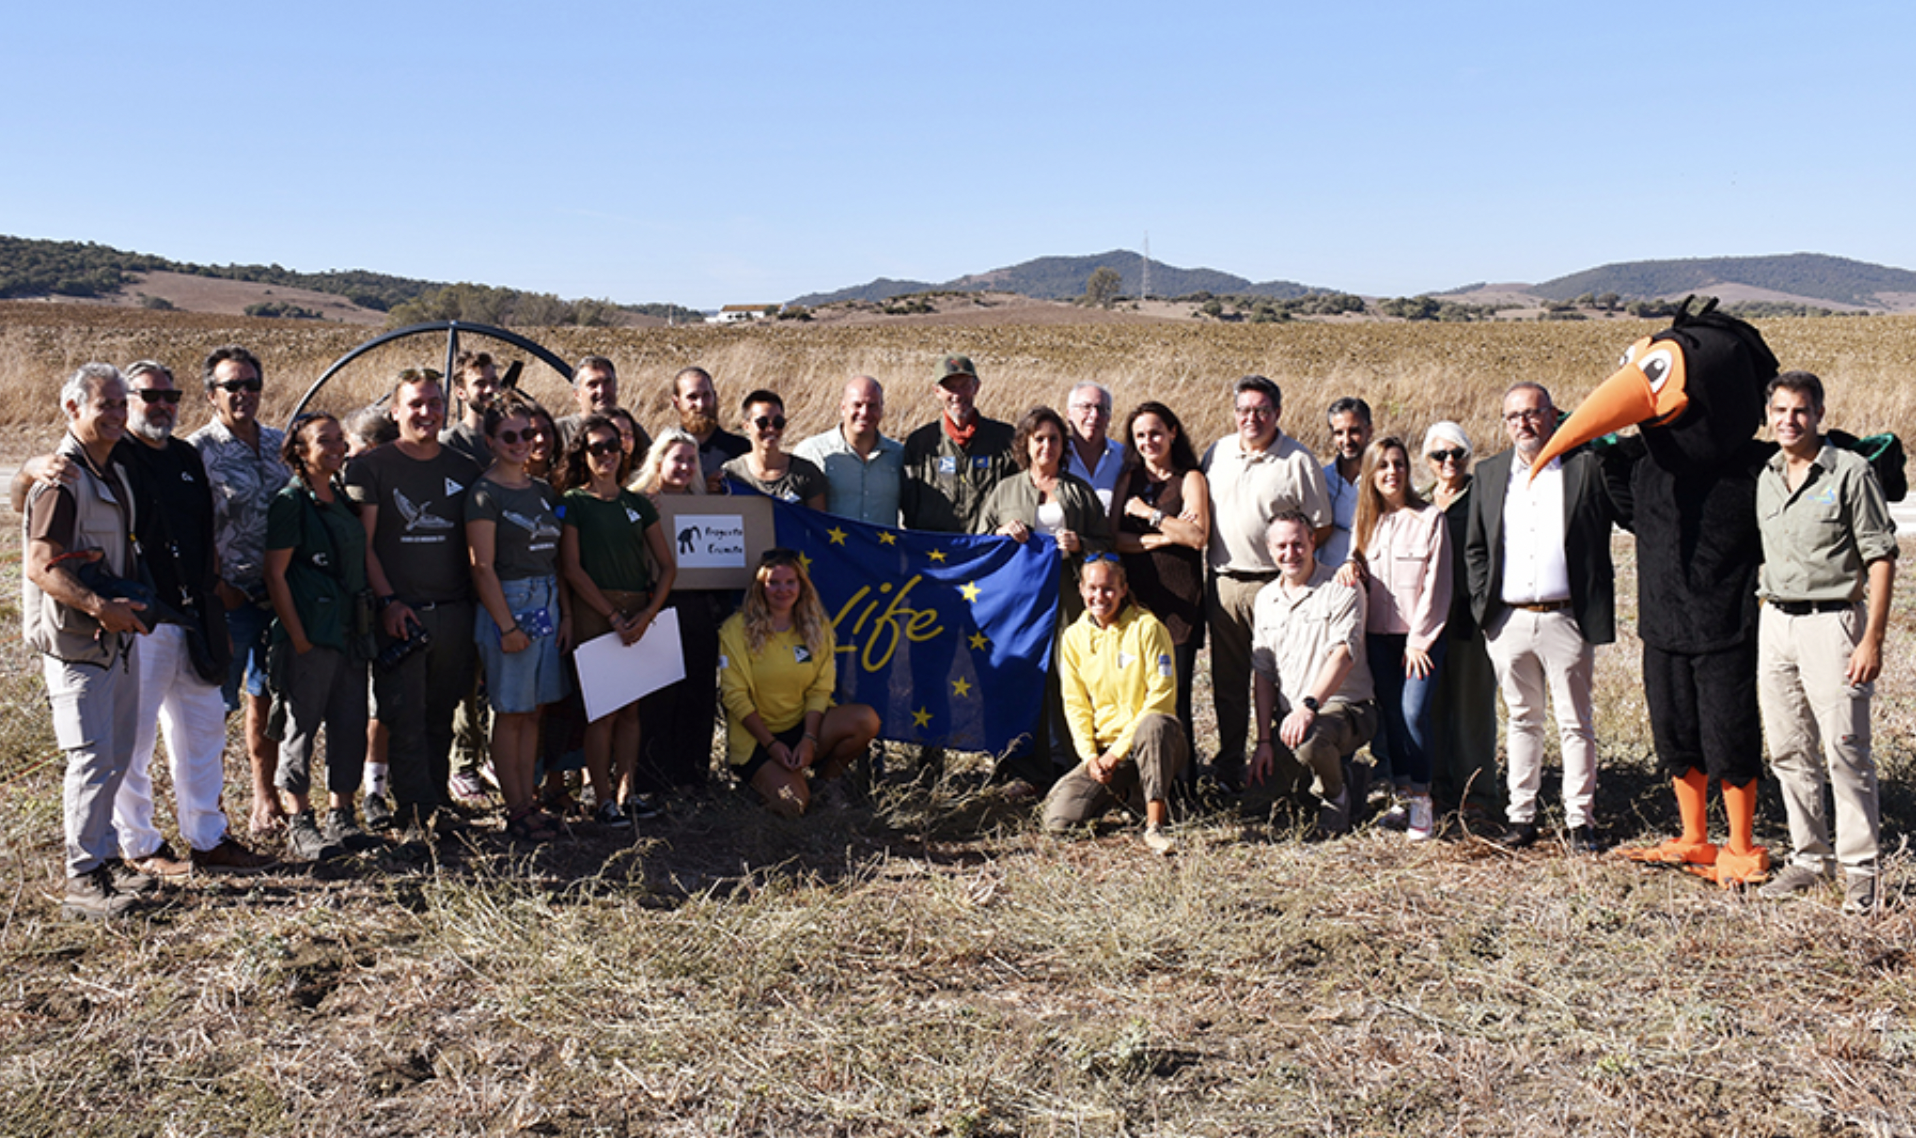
(1829, 565)
(952, 464)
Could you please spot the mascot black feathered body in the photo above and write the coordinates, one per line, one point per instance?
(1686, 487)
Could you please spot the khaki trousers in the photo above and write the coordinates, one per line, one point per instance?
(1535, 653)
(1230, 605)
(1158, 753)
(1813, 718)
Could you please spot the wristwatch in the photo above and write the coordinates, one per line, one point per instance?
(1311, 705)
(1157, 518)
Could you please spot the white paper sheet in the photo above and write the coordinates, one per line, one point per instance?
(612, 675)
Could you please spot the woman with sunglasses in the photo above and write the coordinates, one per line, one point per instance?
(315, 569)
(778, 665)
(521, 624)
(768, 469)
(609, 532)
(1161, 512)
(1463, 716)
(676, 754)
(1400, 550)
(1048, 500)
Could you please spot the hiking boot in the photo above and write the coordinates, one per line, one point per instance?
(162, 863)
(126, 879)
(1420, 819)
(1859, 894)
(304, 841)
(611, 817)
(1159, 842)
(342, 830)
(1519, 835)
(379, 812)
(92, 897)
(1792, 880)
(230, 857)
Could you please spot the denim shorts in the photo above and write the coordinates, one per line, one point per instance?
(521, 682)
(248, 625)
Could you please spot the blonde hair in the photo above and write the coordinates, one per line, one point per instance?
(808, 615)
(1370, 500)
(646, 481)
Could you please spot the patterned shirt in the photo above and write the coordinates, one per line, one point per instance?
(244, 482)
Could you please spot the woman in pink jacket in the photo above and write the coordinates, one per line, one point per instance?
(1400, 547)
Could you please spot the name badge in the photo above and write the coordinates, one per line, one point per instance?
(947, 464)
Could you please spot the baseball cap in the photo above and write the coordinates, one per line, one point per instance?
(952, 366)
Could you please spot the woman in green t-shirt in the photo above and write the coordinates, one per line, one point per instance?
(602, 551)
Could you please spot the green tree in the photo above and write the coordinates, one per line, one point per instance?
(1102, 287)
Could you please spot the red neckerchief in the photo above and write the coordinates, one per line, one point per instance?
(960, 435)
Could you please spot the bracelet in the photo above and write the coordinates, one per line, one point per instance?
(1265, 739)
(810, 736)
(508, 631)
(386, 601)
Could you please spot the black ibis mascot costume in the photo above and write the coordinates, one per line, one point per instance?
(1686, 486)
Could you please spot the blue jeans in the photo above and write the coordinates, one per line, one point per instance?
(248, 625)
(1403, 704)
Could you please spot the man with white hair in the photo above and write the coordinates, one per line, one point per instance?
(1093, 455)
(79, 546)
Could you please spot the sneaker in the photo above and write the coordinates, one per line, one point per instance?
(1397, 817)
(1859, 894)
(1519, 835)
(92, 897)
(1792, 880)
(467, 787)
(304, 841)
(1334, 816)
(126, 879)
(1159, 842)
(379, 812)
(162, 863)
(230, 857)
(342, 830)
(611, 817)
(1420, 820)
(640, 808)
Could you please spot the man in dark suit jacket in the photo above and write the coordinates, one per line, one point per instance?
(1543, 589)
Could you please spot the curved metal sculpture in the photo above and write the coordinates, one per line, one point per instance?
(452, 329)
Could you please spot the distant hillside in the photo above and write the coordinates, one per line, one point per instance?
(30, 267)
(1063, 278)
(1808, 275)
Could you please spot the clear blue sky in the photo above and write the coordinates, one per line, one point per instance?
(717, 153)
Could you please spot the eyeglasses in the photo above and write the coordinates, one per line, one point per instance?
(1534, 414)
(1457, 455)
(776, 422)
(1256, 411)
(235, 386)
(1094, 558)
(514, 438)
(168, 395)
(601, 449)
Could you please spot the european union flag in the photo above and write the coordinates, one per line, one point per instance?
(948, 637)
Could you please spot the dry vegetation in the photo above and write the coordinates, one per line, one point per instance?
(928, 963)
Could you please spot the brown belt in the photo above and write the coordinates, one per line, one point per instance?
(1543, 606)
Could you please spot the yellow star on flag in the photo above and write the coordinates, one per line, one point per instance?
(961, 686)
(979, 642)
(806, 561)
(886, 537)
(921, 718)
(837, 535)
(938, 555)
(970, 591)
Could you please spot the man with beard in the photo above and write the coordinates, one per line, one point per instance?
(696, 401)
(475, 380)
(595, 388)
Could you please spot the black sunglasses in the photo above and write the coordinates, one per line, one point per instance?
(1459, 454)
(776, 422)
(148, 395)
(232, 386)
(513, 438)
(601, 449)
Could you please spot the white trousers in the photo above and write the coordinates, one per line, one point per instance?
(173, 696)
(1536, 653)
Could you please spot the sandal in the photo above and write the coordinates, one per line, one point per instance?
(527, 824)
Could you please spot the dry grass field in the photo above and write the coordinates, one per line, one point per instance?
(928, 962)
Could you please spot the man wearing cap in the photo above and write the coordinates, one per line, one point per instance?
(952, 464)
(1254, 475)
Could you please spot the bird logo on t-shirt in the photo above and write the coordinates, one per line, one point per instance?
(418, 517)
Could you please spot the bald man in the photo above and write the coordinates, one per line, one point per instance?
(865, 468)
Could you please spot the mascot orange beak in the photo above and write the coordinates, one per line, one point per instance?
(1647, 389)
